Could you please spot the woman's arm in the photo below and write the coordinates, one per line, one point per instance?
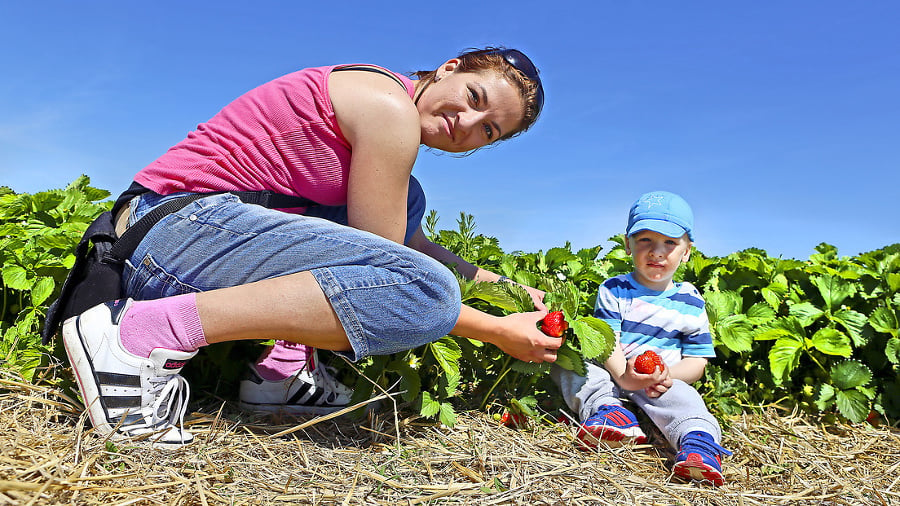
(516, 334)
(381, 124)
(421, 243)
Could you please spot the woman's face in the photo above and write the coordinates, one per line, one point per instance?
(463, 111)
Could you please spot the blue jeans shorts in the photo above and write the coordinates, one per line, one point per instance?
(389, 298)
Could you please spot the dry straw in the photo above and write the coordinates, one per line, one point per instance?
(49, 456)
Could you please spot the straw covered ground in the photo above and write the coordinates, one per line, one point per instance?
(47, 457)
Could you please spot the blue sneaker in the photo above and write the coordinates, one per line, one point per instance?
(612, 424)
(699, 458)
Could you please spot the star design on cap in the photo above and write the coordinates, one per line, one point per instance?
(654, 199)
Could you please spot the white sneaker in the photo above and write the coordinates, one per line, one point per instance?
(306, 392)
(127, 395)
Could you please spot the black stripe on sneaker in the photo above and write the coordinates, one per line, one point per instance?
(314, 398)
(118, 379)
(121, 401)
(295, 399)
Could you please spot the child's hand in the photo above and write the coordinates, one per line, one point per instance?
(633, 380)
(660, 388)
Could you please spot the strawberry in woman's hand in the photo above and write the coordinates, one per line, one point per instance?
(647, 362)
(554, 324)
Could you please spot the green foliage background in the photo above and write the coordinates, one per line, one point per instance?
(818, 335)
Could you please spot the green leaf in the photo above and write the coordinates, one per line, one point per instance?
(853, 405)
(42, 290)
(784, 357)
(494, 294)
(781, 327)
(447, 353)
(526, 367)
(720, 305)
(567, 358)
(735, 333)
(883, 319)
(850, 374)
(833, 289)
(774, 293)
(430, 405)
(826, 396)
(760, 314)
(410, 382)
(16, 277)
(527, 405)
(595, 337)
(832, 342)
(893, 281)
(448, 415)
(806, 313)
(892, 350)
(853, 322)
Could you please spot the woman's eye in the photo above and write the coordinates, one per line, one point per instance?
(474, 96)
(489, 131)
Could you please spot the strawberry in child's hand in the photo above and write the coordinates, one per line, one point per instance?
(554, 324)
(647, 362)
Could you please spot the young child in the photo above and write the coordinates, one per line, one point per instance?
(648, 311)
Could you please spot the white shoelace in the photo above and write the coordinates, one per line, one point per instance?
(324, 374)
(171, 393)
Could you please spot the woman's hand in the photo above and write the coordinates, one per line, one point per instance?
(522, 339)
(516, 334)
(537, 296)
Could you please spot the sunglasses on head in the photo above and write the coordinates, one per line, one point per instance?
(523, 64)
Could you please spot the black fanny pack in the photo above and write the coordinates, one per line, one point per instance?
(96, 276)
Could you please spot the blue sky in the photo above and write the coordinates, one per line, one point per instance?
(778, 121)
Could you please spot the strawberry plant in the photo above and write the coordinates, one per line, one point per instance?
(38, 233)
(821, 335)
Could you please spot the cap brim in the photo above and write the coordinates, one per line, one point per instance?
(666, 228)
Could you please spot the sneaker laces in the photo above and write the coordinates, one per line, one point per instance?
(171, 394)
(324, 375)
(698, 445)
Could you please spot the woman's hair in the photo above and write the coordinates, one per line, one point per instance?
(494, 58)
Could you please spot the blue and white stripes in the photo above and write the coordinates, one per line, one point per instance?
(673, 323)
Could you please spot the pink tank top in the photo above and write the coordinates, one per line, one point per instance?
(281, 136)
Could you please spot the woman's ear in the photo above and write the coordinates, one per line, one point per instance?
(448, 67)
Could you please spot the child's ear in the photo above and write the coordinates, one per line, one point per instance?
(687, 252)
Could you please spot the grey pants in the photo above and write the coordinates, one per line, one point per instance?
(678, 411)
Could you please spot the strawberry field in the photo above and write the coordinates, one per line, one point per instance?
(817, 336)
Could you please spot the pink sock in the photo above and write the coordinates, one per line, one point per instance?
(281, 361)
(172, 323)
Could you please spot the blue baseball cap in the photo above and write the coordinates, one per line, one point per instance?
(662, 212)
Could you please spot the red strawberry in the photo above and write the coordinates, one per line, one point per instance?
(513, 419)
(647, 362)
(554, 324)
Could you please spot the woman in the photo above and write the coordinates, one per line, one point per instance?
(221, 270)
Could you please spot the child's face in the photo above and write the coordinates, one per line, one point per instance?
(656, 257)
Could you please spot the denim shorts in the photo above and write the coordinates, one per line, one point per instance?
(389, 298)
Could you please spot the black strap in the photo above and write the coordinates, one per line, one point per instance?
(372, 68)
(128, 242)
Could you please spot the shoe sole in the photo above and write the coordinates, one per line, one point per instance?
(698, 472)
(86, 378)
(288, 409)
(612, 436)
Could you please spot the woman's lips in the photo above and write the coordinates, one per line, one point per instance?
(449, 125)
